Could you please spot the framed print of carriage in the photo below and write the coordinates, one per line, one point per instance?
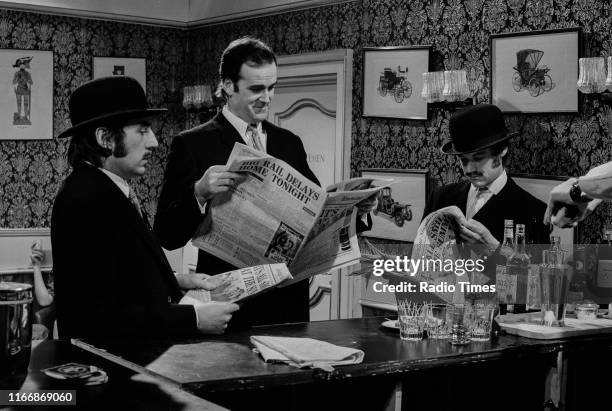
(393, 80)
(535, 72)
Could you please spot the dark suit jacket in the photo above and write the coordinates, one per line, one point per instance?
(111, 275)
(178, 215)
(512, 202)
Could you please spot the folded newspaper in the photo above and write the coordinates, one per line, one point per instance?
(278, 215)
(436, 246)
(240, 284)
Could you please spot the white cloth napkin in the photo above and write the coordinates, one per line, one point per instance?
(305, 352)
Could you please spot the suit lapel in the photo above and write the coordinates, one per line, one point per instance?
(463, 196)
(129, 215)
(271, 140)
(230, 134)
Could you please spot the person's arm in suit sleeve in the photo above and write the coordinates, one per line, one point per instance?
(431, 204)
(178, 211)
(94, 291)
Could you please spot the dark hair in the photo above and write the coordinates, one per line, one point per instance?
(245, 50)
(499, 147)
(85, 148)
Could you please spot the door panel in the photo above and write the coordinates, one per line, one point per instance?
(309, 110)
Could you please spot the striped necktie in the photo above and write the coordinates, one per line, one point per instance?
(134, 199)
(255, 138)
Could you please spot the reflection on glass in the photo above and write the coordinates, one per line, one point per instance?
(592, 76)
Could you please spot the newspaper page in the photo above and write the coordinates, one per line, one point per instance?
(266, 218)
(333, 243)
(240, 284)
(436, 241)
(276, 212)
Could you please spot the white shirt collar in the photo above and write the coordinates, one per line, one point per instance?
(496, 186)
(239, 124)
(120, 182)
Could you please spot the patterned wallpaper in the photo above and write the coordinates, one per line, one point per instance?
(31, 171)
(457, 30)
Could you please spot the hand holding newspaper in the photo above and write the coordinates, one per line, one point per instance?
(442, 261)
(278, 215)
(238, 285)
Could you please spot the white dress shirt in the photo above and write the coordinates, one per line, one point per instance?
(241, 126)
(477, 198)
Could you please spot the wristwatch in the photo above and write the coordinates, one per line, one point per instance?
(577, 195)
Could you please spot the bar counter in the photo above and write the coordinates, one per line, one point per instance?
(508, 372)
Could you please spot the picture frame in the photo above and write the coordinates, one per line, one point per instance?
(393, 81)
(540, 187)
(391, 220)
(535, 72)
(26, 87)
(125, 66)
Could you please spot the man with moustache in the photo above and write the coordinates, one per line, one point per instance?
(479, 137)
(112, 278)
(196, 170)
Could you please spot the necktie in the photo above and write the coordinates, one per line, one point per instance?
(479, 201)
(134, 200)
(255, 138)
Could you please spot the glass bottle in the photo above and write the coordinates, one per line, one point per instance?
(518, 265)
(507, 249)
(601, 280)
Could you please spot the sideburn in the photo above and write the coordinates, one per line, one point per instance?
(497, 161)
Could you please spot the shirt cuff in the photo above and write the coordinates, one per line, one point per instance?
(201, 206)
(364, 218)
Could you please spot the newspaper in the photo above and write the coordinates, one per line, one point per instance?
(239, 284)
(278, 215)
(436, 240)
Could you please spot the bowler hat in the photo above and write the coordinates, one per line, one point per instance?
(114, 98)
(475, 128)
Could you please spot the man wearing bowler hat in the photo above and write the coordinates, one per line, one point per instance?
(479, 137)
(111, 275)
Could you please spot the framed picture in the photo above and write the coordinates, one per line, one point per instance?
(121, 66)
(393, 80)
(400, 206)
(26, 94)
(535, 72)
(540, 186)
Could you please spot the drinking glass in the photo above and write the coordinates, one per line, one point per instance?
(438, 320)
(554, 285)
(459, 332)
(480, 321)
(411, 320)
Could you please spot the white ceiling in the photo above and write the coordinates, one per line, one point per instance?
(181, 13)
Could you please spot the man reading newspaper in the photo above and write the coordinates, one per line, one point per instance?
(196, 174)
(277, 215)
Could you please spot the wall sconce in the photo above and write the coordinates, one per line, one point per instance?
(592, 77)
(450, 86)
(197, 97)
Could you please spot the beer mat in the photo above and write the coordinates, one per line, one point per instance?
(573, 327)
(78, 373)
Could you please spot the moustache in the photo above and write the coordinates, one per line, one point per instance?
(472, 175)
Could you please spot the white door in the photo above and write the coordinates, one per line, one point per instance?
(313, 99)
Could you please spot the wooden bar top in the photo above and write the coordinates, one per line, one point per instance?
(227, 362)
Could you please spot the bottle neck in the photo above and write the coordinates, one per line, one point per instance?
(508, 237)
(520, 243)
